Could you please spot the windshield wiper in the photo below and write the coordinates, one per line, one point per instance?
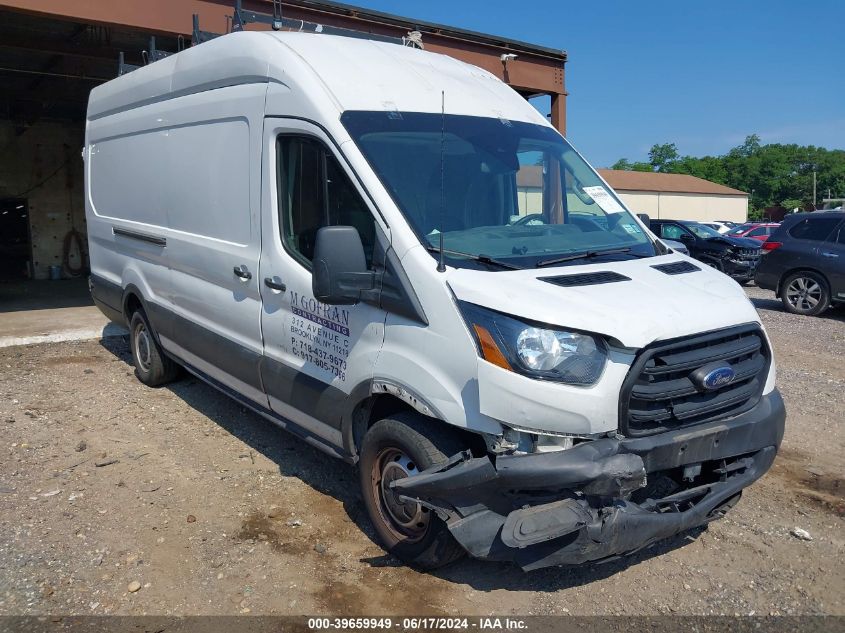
(581, 255)
(484, 259)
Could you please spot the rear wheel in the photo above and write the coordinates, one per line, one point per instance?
(152, 367)
(805, 293)
(394, 448)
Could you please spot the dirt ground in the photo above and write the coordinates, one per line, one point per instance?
(201, 507)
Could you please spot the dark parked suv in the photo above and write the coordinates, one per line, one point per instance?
(735, 256)
(804, 262)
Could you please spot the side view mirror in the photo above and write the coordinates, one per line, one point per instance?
(339, 266)
(645, 219)
(686, 237)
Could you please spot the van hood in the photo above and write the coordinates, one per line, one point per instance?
(649, 306)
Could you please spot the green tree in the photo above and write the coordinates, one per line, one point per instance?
(776, 173)
(623, 164)
(791, 204)
(750, 146)
(661, 157)
(755, 214)
(707, 167)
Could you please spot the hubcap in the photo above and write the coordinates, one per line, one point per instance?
(406, 518)
(143, 347)
(804, 294)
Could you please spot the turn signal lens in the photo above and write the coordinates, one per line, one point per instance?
(489, 350)
(770, 246)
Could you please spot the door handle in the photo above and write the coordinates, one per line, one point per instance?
(242, 272)
(828, 254)
(275, 283)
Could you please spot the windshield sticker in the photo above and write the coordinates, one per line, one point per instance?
(607, 202)
(633, 229)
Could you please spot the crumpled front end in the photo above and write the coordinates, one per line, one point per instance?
(601, 498)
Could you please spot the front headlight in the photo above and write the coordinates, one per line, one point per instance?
(574, 358)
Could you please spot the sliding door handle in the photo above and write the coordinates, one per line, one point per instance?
(275, 283)
(242, 272)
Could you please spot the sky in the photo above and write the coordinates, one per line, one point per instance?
(702, 75)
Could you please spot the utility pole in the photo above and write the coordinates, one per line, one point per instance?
(814, 190)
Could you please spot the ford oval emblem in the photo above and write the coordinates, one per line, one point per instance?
(718, 378)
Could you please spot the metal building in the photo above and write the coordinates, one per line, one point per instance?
(52, 52)
(677, 196)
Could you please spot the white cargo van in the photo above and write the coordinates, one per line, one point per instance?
(332, 231)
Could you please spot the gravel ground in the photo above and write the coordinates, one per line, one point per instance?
(119, 499)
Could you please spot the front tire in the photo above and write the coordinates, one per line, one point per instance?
(402, 446)
(805, 293)
(152, 366)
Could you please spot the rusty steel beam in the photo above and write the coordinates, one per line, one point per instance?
(58, 47)
(558, 114)
(535, 70)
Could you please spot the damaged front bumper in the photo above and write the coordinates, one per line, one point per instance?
(739, 270)
(602, 498)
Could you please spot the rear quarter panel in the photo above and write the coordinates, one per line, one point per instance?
(121, 171)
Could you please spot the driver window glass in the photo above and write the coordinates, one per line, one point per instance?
(314, 192)
(671, 231)
(757, 232)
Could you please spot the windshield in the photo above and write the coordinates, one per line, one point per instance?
(742, 228)
(516, 192)
(701, 230)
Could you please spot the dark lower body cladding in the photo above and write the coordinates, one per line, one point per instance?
(604, 498)
(741, 271)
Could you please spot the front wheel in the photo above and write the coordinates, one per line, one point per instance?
(394, 448)
(805, 293)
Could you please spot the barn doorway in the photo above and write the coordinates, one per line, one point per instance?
(15, 242)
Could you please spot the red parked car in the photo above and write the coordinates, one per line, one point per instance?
(755, 230)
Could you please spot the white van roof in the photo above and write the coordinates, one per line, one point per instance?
(356, 74)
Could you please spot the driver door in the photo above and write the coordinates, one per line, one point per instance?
(314, 354)
(672, 231)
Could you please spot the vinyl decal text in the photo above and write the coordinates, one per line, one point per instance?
(319, 334)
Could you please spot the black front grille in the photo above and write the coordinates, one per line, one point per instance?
(660, 394)
(676, 268)
(746, 254)
(586, 279)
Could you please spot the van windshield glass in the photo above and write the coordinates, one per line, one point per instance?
(515, 192)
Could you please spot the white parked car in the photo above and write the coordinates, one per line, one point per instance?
(299, 221)
(720, 227)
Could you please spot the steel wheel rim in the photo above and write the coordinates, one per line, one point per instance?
(407, 520)
(143, 347)
(804, 293)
